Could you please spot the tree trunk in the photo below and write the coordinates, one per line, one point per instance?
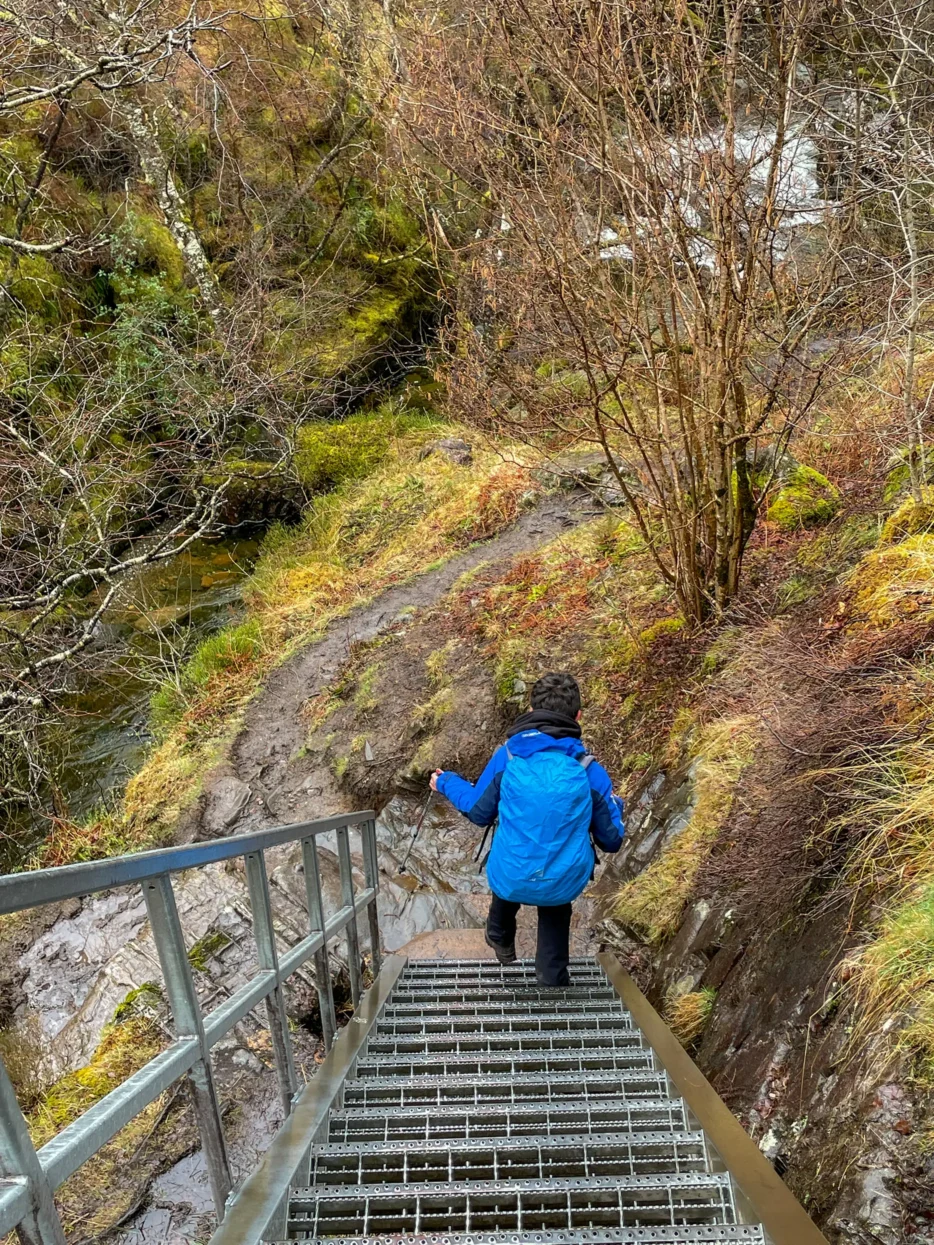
(159, 175)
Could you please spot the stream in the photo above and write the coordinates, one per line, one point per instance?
(165, 612)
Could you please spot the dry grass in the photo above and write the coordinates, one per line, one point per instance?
(652, 903)
(687, 1013)
(105, 1188)
(889, 825)
(895, 584)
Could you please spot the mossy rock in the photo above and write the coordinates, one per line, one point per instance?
(156, 249)
(327, 454)
(807, 500)
(910, 519)
(258, 492)
(383, 315)
(898, 480)
(895, 583)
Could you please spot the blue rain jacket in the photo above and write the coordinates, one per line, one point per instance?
(550, 809)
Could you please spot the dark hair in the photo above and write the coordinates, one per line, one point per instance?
(557, 692)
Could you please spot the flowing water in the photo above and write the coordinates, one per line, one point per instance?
(103, 732)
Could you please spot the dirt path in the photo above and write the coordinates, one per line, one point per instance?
(263, 782)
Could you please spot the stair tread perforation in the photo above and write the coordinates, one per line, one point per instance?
(487, 1144)
(693, 1234)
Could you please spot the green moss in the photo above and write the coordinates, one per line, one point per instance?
(206, 948)
(898, 480)
(910, 519)
(351, 449)
(365, 696)
(372, 323)
(807, 500)
(509, 676)
(653, 902)
(155, 248)
(339, 766)
(147, 996)
(430, 715)
(437, 664)
(123, 1049)
(664, 626)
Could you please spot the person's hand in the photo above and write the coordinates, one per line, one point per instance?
(433, 783)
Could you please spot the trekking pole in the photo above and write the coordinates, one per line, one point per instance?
(418, 826)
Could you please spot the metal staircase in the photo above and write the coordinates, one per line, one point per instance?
(462, 1104)
(486, 1109)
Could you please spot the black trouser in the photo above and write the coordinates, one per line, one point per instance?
(554, 933)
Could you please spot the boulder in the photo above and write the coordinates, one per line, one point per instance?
(454, 449)
(807, 499)
(773, 464)
(225, 801)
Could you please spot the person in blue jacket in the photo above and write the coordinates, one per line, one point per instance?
(554, 802)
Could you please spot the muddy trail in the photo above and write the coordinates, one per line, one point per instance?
(269, 777)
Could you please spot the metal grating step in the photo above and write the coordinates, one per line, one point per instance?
(466, 1090)
(488, 1043)
(504, 978)
(514, 1205)
(517, 1158)
(544, 1061)
(540, 997)
(523, 1120)
(504, 1022)
(439, 970)
(580, 1005)
(697, 1234)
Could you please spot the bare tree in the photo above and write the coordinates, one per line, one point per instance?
(880, 109)
(631, 205)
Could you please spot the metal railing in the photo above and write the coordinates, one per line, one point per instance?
(29, 1178)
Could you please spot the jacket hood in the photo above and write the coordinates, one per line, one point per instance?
(554, 724)
(527, 742)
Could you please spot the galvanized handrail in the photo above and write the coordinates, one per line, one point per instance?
(28, 1178)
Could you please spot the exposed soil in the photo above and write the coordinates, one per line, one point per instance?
(288, 783)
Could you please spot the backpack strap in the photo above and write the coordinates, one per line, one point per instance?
(508, 753)
(585, 760)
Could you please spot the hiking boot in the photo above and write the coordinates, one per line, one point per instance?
(553, 985)
(505, 955)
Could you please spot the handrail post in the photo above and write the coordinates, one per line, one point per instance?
(186, 1011)
(371, 876)
(347, 899)
(316, 924)
(264, 933)
(19, 1161)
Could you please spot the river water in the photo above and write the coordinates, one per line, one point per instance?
(103, 732)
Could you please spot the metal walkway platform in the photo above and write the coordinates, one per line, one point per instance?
(481, 1109)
